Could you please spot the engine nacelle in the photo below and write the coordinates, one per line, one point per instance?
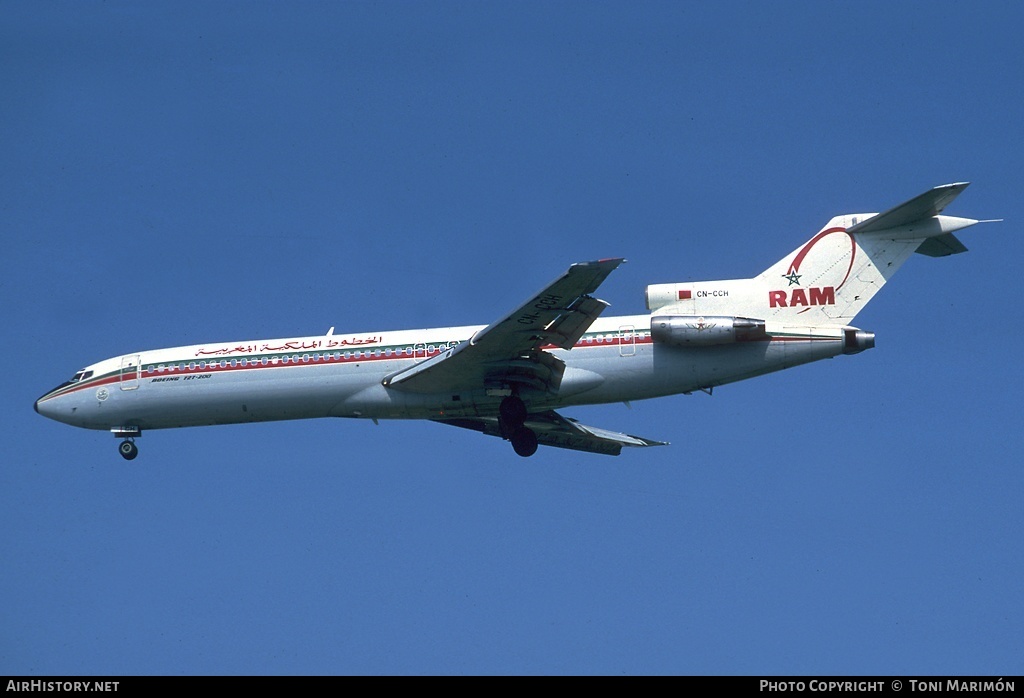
(855, 341)
(705, 331)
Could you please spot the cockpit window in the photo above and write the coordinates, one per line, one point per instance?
(81, 376)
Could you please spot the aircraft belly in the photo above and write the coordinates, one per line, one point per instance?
(713, 366)
(657, 371)
(631, 377)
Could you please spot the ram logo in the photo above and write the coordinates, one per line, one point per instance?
(799, 296)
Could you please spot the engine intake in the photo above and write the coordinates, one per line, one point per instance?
(705, 330)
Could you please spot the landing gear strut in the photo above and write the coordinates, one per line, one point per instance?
(512, 415)
(512, 411)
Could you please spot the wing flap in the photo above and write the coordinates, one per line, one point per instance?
(538, 370)
(567, 328)
(429, 375)
(552, 429)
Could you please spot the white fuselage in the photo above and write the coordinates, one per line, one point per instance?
(340, 375)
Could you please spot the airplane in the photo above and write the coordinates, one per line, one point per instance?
(507, 379)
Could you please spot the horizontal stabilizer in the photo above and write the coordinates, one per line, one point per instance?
(941, 246)
(919, 208)
(552, 429)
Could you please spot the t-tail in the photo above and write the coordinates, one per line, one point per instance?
(830, 278)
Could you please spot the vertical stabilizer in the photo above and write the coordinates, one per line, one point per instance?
(830, 278)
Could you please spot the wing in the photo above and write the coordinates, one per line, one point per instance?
(552, 429)
(509, 351)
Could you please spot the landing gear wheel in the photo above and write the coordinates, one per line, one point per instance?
(512, 411)
(128, 450)
(524, 441)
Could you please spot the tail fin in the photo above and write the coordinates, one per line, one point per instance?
(830, 278)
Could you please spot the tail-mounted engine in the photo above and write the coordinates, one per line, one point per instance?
(855, 341)
(705, 331)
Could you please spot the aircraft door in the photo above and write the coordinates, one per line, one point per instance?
(627, 340)
(130, 372)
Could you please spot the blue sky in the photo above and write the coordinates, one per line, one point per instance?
(179, 173)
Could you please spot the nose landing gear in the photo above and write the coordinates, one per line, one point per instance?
(127, 448)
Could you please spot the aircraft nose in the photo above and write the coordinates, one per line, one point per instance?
(41, 407)
(46, 407)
